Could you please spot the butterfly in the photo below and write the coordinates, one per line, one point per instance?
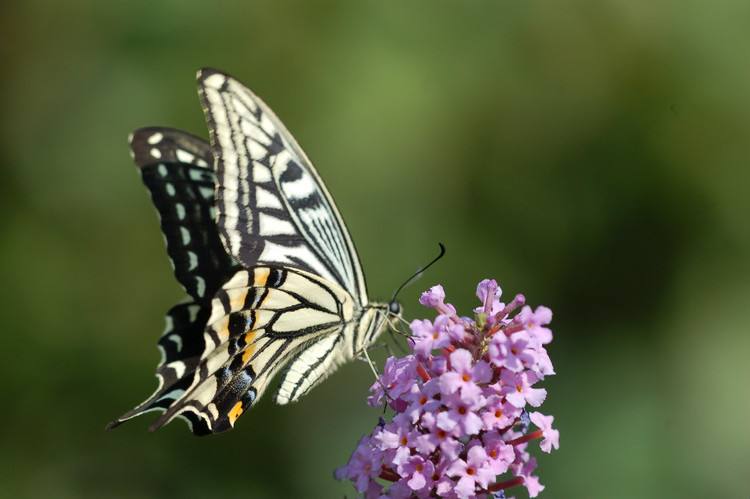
(274, 283)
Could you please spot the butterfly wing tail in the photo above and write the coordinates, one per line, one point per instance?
(215, 403)
(180, 345)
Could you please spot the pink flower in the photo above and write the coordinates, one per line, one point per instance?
(498, 413)
(418, 471)
(513, 352)
(428, 336)
(489, 293)
(534, 322)
(445, 487)
(475, 470)
(435, 298)
(543, 366)
(396, 380)
(374, 491)
(518, 389)
(464, 374)
(436, 437)
(500, 454)
(363, 467)
(398, 436)
(532, 485)
(461, 417)
(551, 437)
(459, 428)
(399, 490)
(422, 400)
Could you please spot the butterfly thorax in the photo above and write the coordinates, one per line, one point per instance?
(373, 320)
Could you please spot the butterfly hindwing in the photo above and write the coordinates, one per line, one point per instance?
(316, 362)
(272, 206)
(260, 319)
(322, 357)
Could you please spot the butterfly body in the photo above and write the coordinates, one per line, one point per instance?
(274, 283)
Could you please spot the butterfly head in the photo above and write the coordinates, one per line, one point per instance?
(394, 308)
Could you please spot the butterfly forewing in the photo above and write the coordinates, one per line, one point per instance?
(272, 206)
(175, 167)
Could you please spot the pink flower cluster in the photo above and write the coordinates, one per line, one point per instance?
(460, 427)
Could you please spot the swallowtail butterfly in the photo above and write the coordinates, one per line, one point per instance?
(273, 279)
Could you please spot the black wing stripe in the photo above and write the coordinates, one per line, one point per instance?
(311, 367)
(260, 168)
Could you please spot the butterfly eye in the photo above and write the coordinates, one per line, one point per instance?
(394, 307)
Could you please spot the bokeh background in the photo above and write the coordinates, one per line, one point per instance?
(591, 154)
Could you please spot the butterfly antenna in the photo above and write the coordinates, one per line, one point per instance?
(419, 272)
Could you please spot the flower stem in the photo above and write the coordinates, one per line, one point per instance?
(423, 373)
(506, 484)
(389, 474)
(526, 438)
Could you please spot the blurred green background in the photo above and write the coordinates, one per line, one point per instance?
(591, 154)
